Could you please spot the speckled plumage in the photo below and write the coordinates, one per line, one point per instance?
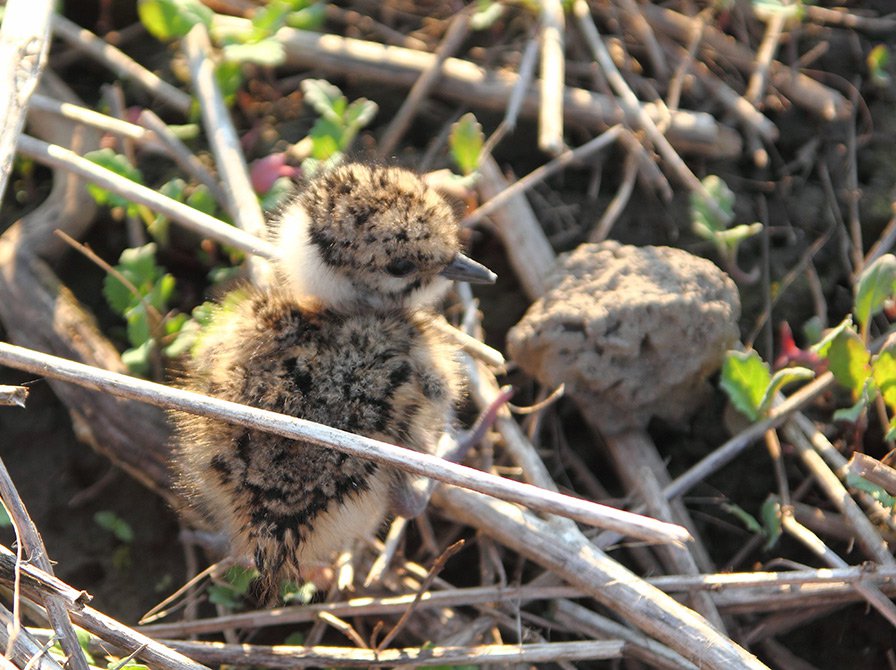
(346, 342)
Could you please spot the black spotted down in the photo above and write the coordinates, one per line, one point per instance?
(384, 375)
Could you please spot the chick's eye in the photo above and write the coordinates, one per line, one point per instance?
(400, 267)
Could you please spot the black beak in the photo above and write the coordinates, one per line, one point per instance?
(466, 269)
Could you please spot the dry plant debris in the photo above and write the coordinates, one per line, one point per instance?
(755, 134)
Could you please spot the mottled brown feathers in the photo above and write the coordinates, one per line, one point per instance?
(345, 342)
(383, 375)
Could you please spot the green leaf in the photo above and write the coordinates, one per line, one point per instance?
(747, 519)
(771, 521)
(359, 113)
(876, 285)
(877, 60)
(110, 521)
(781, 379)
(229, 75)
(704, 218)
(732, 237)
(5, 521)
(201, 199)
(118, 164)
(848, 359)
(137, 265)
(859, 483)
(486, 14)
(324, 98)
(326, 139)
(138, 359)
(139, 329)
(280, 190)
(883, 372)
(853, 413)
(466, 143)
(745, 378)
(170, 19)
(311, 17)
(267, 52)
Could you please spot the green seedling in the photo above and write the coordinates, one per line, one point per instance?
(466, 142)
(768, 524)
(339, 123)
(5, 521)
(878, 59)
(120, 165)
(84, 639)
(171, 19)
(231, 590)
(122, 531)
(140, 291)
(750, 384)
(486, 14)
(713, 222)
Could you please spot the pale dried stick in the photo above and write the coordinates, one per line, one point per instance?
(680, 559)
(24, 42)
(730, 588)
(31, 543)
(631, 105)
(465, 81)
(286, 657)
(14, 396)
(573, 558)
(295, 428)
(515, 101)
(242, 202)
(117, 634)
(637, 645)
(727, 452)
(873, 470)
(390, 546)
(532, 258)
(838, 464)
(22, 649)
(764, 56)
(866, 534)
(90, 117)
(454, 37)
(875, 25)
(735, 103)
(644, 33)
(471, 345)
(620, 200)
(61, 158)
(539, 174)
(810, 540)
(120, 63)
(181, 154)
(553, 77)
(801, 89)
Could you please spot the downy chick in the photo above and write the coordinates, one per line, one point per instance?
(364, 254)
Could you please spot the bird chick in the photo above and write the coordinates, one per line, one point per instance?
(348, 342)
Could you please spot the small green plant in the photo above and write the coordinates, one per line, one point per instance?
(230, 591)
(768, 524)
(878, 59)
(339, 123)
(5, 521)
(83, 641)
(123, 533)
(711, 217)
(465, 143)
(171, 19)
(750, 384)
